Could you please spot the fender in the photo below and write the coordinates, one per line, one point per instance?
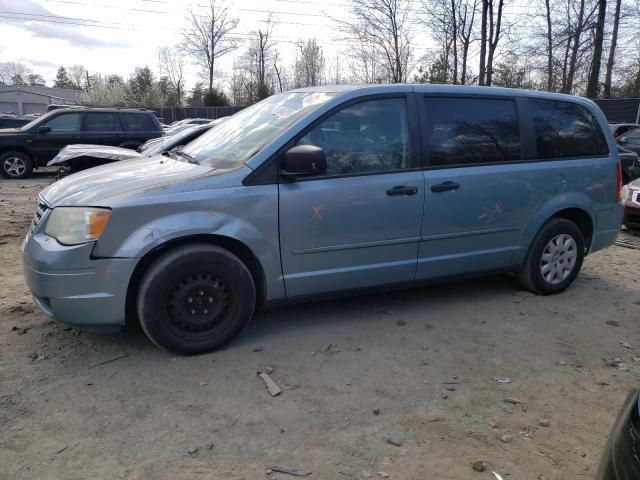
(553, 205)
(217, 212)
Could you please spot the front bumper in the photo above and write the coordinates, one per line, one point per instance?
(69, 286)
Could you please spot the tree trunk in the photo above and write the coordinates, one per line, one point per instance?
(594, 75)
(465, 54)
(574, 51)
(483, 42)
(612, 50)
(454, 16)
(494, 38)
(549, 47)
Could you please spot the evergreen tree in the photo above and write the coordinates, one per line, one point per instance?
(62, 79)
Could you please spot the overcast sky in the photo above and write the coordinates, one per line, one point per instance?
(118, 35)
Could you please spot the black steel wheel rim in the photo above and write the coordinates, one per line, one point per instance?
(198, 303)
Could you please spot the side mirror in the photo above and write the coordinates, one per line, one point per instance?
(303, 161)
(43, 129)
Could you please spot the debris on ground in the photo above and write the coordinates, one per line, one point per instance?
(625, 344)
(204, 382)
(192, 451)
(395, 441)
(497, 475)
(376, 411)
(613, 323)
(257, 349)
(112, 359)
(511, 400)
(401, 323)
(506, 438)
(478, 466)
(272, 386)
(383, 474)
(290, 471)
(502, 379)
(544, 422)
(269, 370)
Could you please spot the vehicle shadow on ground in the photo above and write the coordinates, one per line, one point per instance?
(365, 310)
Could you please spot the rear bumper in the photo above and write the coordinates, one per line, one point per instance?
(69, 286)
(607, 228)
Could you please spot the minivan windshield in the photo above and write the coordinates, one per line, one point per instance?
(244, 134)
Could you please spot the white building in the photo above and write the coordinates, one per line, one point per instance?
(23, 99)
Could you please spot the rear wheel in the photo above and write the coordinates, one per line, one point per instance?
(16, 165)
(554, 259)
(195, 298)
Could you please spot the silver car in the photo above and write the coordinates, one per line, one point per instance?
(327, 190)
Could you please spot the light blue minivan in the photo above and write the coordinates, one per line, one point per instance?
(326, 190)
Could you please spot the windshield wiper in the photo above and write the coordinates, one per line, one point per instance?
(177, 152)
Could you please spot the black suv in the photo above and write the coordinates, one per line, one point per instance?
(34, 144)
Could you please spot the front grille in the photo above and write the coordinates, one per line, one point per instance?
(37, 218)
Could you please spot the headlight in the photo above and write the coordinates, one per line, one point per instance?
(74, 225)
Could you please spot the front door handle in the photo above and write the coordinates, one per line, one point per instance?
(444, 187)
(402, 190)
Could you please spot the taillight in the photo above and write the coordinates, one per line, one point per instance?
(618, 183)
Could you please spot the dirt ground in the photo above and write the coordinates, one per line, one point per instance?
(417, 367)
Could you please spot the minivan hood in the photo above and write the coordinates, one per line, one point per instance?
(94, 186)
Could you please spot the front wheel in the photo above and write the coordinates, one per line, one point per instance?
(16, 165)
(195, 299)
(554, 259)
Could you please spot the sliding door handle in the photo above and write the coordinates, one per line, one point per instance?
(445, 187)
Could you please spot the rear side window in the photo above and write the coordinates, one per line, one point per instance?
(633, 137)
(101, 122)
(467, 131)
(137, 122)
(565, 129)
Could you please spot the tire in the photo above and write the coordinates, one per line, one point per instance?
(195, 299)
(537, 274)
(16, 165)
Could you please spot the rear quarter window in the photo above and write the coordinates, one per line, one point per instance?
(138, 122)
(565, 130)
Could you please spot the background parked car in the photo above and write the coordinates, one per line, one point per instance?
(632, 206)
(12, 121)
(37, 142)
(630, 165)
(618, 129)
(630, 140)
(74, 158)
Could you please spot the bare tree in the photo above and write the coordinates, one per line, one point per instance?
(208, 36)
(547, 5)
(495, 34)
(594, 74)
(171, 65)
(255, 71)
(483, 43)
(612, 49)
(382, 25)
(309, 65)
(77, 76)
(13, 73)
(466, 16)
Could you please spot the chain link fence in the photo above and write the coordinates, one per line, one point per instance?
(171, 114)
